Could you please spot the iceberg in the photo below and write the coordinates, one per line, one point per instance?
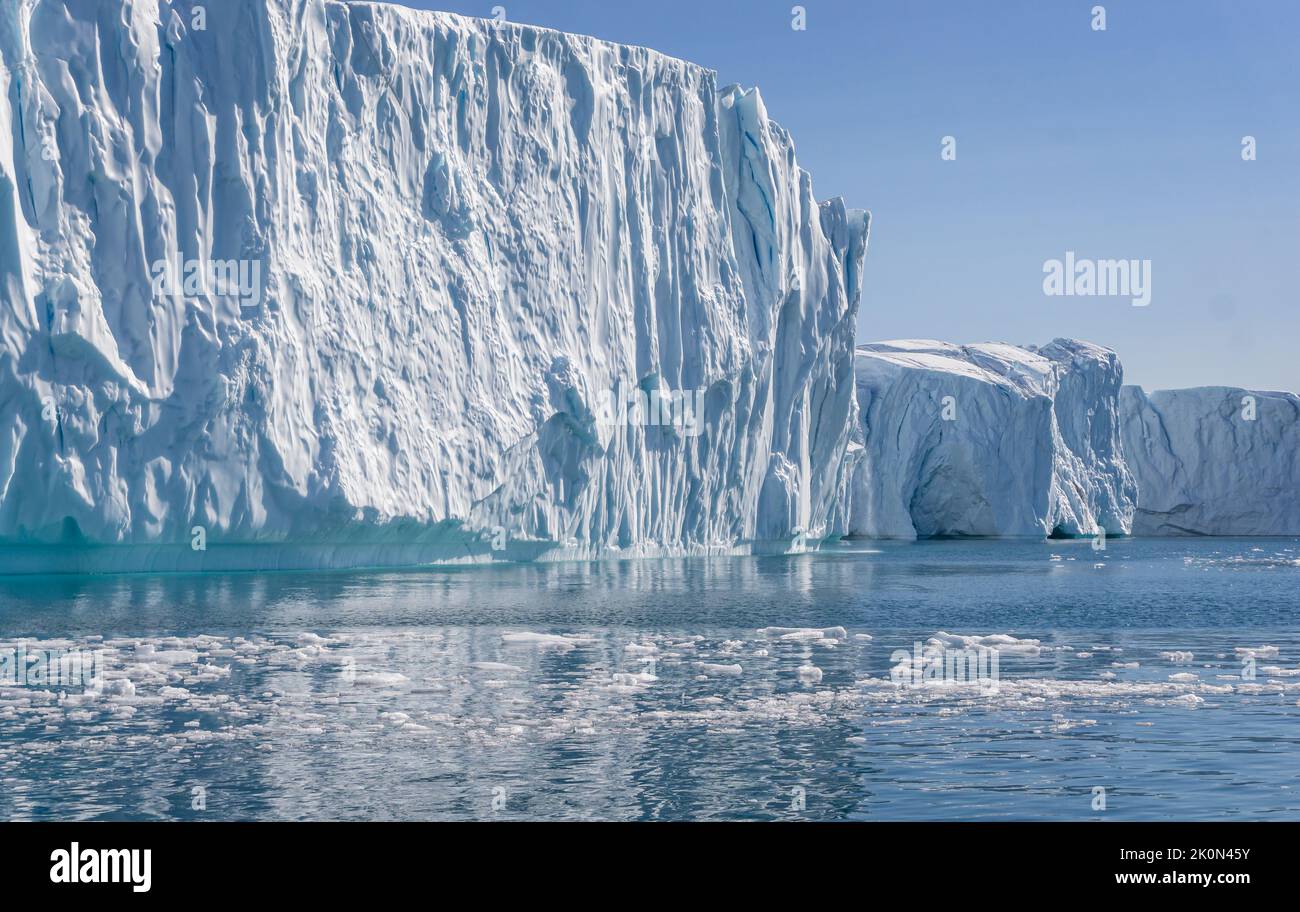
(1214, 460)
(310, 273)
(988, 440)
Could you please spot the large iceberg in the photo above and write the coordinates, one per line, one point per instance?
(315, 272)
(1214, 461)
(988, 440)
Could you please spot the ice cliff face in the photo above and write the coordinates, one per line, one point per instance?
(988, 440)
(298, 271)
(1214, 461)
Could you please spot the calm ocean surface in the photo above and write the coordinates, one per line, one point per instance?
(511, 692)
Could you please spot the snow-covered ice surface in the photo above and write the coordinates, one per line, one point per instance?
(988, 440)
(702, 689)
(1214, 460)
(459, 236)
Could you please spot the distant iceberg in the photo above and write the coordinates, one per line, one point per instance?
(1214, 461)
(988, 440)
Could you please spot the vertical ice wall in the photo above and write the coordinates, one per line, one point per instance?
(989, 440)
(1214, 461)
(408, 257)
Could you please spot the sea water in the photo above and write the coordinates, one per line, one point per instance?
(1156, 679)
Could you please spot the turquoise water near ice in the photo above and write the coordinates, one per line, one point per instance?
(509, 692)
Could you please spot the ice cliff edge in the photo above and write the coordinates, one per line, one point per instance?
(1214, 460)
(300, 271)
(989, 440)
(1005, 441)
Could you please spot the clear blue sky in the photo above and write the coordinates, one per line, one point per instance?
(1124, 143)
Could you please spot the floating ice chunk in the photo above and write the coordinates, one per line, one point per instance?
(1178, 657)
(1184, 677)
(546, 640)
(1060, 723)
(113, 687)
(496, 666)
(1004, 643)
(379, 678)
(634, 679)
(810, 674)
(804, 633)
(715, 669)
(148, 653)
